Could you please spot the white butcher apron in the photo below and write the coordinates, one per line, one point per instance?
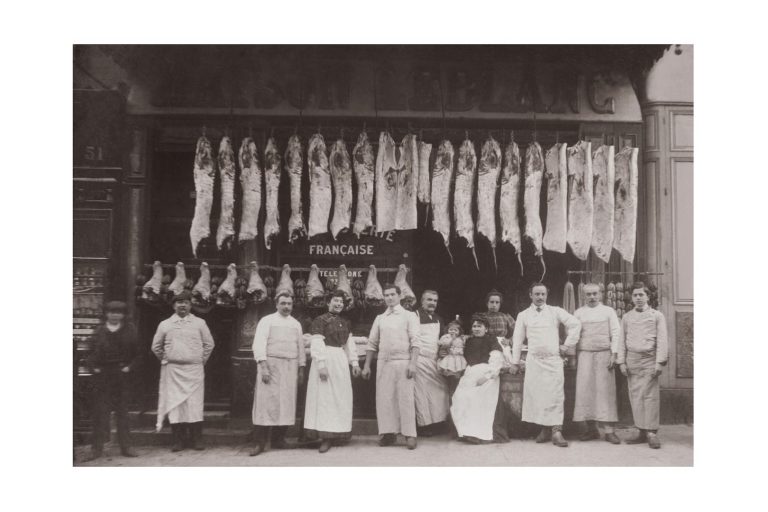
(473, 407)
(431, 390)
(595, 383)
(543, 393)
(181, 393)
(329, 403)
(275, 403)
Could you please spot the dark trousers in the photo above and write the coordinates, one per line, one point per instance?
(110, 394)
(501, 420)
(277, 434)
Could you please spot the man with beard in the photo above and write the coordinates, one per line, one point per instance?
(431, 391)
(596, 357)
(543, 393)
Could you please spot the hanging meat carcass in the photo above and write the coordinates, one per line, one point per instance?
(285, 283)
(293, 166)
(155, 282)
(425, 150)
(510, 199)
(226, 293)
(580, 199)
(272, 173)
(250, 180)
(463, 193)
(315, 292)
(204, 174)
(202, 289)
(534, 172)
(407, 297)
(487, 185)
(344, 286)
(374, 295)
(625, 214)
(604, 181)
(226, 229)
(341, 174)
(387, 171)
(442, 176)
(363, 164)
(320, 195)
(256, 287)
(177, 285)
(407, 184)
(556, 173)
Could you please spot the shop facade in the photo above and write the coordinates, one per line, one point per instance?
(140, 110)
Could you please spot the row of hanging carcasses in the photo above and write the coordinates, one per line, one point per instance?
(591, 193)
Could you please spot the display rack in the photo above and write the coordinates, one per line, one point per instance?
(621, 303)
(88, 287)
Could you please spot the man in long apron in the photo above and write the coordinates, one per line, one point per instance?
(501, 325)
(394, 335)
(432, 403)
(595, 379)
(183, 344)
(328, 410)
(543, 393)
(643, 352)
(278, 349)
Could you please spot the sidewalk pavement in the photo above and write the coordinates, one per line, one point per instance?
(676, 450)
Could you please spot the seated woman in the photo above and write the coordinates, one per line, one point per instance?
(474, 402)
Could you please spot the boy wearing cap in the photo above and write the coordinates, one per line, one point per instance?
(115, 355)
(183, 344)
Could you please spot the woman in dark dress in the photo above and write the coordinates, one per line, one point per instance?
(474, 402)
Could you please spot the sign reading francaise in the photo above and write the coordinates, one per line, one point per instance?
(384, 248)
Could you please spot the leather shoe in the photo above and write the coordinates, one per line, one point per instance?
(612, 438)
(426, 431)
(559, 440)
(589, 435)
(544, 436)
(640, 439)
(653, 441)
(128, 452)
(325, 446)
(410, 442)
(282, 444)
(387, 440)
(257, 449)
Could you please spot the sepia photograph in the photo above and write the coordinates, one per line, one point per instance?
(348, 255)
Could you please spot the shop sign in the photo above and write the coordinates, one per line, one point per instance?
(491, 89)
(385, 248)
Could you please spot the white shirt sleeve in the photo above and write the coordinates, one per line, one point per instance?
(259, 345)
(352, 351)
(615, 327)
(317, 350)
(517, 338)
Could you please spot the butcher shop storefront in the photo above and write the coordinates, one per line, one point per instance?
(231, 171)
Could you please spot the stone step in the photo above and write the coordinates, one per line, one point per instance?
(231, 432)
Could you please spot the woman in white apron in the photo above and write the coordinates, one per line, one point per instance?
(474, 402)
